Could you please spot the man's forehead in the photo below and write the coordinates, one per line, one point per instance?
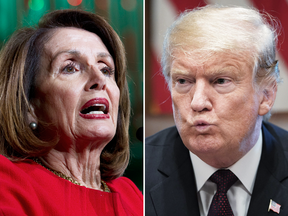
(211, 63)
(202, 58)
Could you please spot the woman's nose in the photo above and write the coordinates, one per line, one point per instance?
(97, 80)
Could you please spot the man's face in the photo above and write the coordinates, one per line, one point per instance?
(216, 106)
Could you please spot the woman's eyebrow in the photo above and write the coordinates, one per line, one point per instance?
(72, 52)
(78, 53)
(104, 55)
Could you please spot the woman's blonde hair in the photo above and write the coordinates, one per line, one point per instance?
(19, 63)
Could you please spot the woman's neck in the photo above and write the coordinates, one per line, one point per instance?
(82, 166)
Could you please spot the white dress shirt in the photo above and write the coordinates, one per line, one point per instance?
(239, 194)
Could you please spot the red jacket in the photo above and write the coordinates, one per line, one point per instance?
(27, 188)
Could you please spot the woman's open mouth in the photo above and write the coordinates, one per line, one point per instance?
(95, 108)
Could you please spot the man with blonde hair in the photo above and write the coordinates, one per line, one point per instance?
(221, 158)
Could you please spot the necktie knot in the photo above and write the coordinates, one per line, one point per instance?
(224, 180)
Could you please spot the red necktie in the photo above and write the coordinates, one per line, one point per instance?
(220, 204)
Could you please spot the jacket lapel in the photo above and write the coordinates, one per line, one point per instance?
(179, 187)
(271, 180)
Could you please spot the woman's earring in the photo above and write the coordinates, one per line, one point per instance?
(33, 125)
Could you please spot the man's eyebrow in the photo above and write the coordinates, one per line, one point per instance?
(179, 71)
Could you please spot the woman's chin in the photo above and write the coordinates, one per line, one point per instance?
(100, 133)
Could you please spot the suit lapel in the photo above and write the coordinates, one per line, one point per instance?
(179, 187)
(270, 179)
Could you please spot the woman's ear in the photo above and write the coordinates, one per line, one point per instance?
(31, 115)
(268, 96)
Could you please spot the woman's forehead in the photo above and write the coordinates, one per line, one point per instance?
(69, 37)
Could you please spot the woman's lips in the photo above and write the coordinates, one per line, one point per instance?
(96, 108)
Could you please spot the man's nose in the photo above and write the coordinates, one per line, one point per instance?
(200, 97)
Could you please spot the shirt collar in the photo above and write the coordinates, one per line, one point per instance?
(245, 168)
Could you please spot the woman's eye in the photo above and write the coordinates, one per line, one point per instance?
(107, 71)
(70, 68)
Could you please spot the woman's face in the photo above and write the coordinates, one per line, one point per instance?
(76, 91)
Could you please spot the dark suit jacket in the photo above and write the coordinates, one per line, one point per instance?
(170, 185)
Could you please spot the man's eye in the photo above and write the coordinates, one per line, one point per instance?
(181, 81)
(222, 81)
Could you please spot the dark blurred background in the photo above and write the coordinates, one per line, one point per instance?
(126, 17)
